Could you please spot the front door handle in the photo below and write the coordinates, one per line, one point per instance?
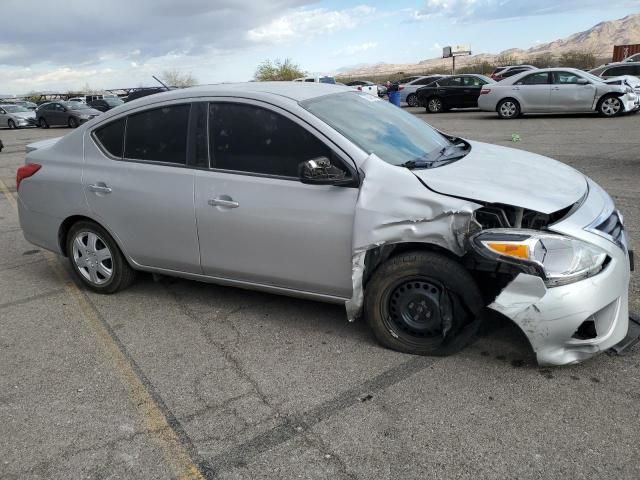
(222, 202)
(99, 188)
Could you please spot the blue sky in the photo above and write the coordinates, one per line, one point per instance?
(67, 44)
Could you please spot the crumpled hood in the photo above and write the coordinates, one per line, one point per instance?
(494, 174)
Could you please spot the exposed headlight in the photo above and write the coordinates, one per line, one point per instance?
(558, 259)
(84, 117)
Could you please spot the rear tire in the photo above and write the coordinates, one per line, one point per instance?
(435, 105)
(508, 109)
(423, 303)
(11, 124)
(43, 123)
(412, 100)
(96, 260)
(610, 106)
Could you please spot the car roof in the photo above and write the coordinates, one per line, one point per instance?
(296, 91)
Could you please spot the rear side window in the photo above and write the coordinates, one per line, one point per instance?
(256, 140)
(111, 137)
(535, 79)
(158, 135)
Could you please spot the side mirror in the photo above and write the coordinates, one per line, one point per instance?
(319, 171)
(583, 81)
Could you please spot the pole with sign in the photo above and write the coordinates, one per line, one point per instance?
(454, 51)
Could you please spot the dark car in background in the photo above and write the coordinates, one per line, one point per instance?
(144, 92)
(509, 71)
(105, 104)
(70, 114)
(455, 91)
(617, 70)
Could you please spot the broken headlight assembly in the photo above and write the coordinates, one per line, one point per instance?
(558, 259)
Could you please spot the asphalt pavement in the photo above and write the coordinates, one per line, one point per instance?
(179, 379)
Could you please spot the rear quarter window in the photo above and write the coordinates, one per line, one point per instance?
(111, 138)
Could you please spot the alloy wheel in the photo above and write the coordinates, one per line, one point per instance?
(11, 124)
(92, 258)
(435, 105)
(508, 109)
(611, 106)
(412, 100)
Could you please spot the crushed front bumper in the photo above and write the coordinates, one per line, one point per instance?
(570, 323)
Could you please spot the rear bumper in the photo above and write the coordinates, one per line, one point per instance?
(486, 103)
(39, 229)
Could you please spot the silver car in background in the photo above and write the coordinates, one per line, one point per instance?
(16, 116)
(408, 90)
(327, 193)
(556, 90)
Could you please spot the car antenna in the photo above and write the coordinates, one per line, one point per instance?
(158, 80)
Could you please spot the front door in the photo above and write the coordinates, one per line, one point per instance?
(146, 199)
(256, 221)
(567, 95)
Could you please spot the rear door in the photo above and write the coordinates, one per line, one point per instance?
(568, 96)
(4, 118)
(451, 90)
(471, 91)
(257, 222)
(533, 92)
(139, 187)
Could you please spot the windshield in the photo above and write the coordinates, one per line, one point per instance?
(14, 108)
(379, 127)
(76, 106)
(591, 77)
(327, 80)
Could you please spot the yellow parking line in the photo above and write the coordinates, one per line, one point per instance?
(175, 454)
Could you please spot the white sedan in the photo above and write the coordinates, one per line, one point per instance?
(556, 90)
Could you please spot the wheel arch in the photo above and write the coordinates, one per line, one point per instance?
(68, 222)
(377, 255)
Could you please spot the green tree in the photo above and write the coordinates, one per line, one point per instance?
(577, 59)
(542, 60)
(175, 78)
(278, 70)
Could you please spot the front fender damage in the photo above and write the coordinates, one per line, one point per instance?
(393, 207)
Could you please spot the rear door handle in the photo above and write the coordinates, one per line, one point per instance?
(221, 202)
(99, 188)
(555, 88)
(515, 88)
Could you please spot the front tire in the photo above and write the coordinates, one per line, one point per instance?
(11, 124)
(43, 123)
(423, 303)
(435, 105)
(610, 106)
(508, 109)
(412, 100)
(73, 123)
(96, 260)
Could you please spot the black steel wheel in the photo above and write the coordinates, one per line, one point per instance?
(423, 303)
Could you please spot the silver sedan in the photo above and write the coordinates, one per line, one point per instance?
(16, 116)
(327, 193)
(556, 90)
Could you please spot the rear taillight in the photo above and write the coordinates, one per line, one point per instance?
(25, 172)
(484, 91)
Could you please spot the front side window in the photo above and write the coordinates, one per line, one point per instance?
(111, 137)
(252, 139)
(565, 78)
(158, 135)
(378, 127)
(535, 79)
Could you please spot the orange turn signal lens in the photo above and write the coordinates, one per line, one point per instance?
(510, 249)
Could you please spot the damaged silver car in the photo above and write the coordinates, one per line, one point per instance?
(322, 192)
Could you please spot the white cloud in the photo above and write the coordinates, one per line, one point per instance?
(351, 50)
(306, 23)
(467, 10)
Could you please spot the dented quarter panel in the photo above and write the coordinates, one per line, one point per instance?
(393, 206)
